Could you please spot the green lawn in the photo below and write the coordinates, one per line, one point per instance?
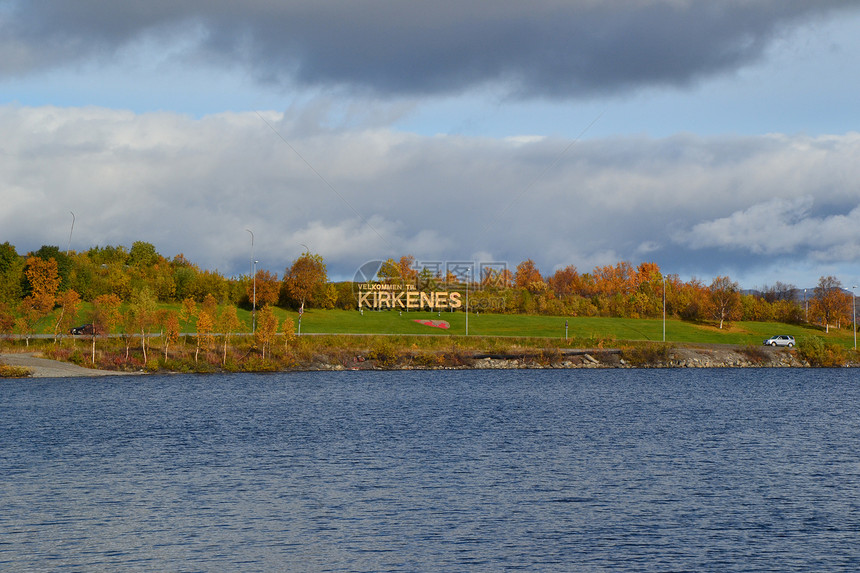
(394, 322)
(581, 329)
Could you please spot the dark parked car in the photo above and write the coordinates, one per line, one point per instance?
(84, 329)
(781, 340)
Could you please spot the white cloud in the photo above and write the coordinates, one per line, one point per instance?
(777, 226)
(782, 227)
(195, 185)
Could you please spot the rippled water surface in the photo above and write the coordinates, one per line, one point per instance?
(655, 470)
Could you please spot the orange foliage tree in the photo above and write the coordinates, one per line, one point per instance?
(528, 277)
(266, 286)
(69, 302)
(565, 282)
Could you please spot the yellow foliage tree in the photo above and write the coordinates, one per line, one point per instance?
(43, 276)
(228, 323)
(267, 328)
(205, 324)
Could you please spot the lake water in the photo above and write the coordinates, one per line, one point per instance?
(543, 470)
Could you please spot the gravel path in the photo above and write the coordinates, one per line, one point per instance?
(46, 368)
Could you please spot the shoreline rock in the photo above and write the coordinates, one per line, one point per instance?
(715, 356)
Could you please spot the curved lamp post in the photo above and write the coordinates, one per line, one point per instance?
(69, 247)
(663, 280)
(254, 279)
(854, 313)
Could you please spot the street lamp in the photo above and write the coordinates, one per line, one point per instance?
(854, 313)
(69, 248)
(468, 276)
(664, 308)
(254, 302)
(254, 279)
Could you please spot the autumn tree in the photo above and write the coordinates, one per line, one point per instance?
(44, 281)
(565, 282)
(408, 274)
(7, 319)
(169, 320)
(830, 301)
(142, 307)
(289, 329)
(327, 296)
(11, 271)
(209, 305)
(69, 303)
(389, 272)
(264, 289)
(28, 316)
(206, 321)
(529, 278)
(64, 263)
(303, 279)
(647, 296)
(205, 327)
(188, 310)
(142, 255)
(618, 279)
(228, 323)
(756, 308)
(267, 328)
(105, 316)
(724, 299)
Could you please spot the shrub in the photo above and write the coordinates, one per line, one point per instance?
(427, 359)
(820, 353)
(7, 371)
(76, 357)
(548, 357)
(647, 354)
(384, 353)
(256, 363)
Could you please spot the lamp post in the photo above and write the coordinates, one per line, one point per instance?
(468, 276)
(254, 302)
(664, 309)
(69, 247)
(854, 313)
(254, 279)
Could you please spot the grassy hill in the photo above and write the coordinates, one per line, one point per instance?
(581, 329)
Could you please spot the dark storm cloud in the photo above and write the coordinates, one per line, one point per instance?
(544, 48)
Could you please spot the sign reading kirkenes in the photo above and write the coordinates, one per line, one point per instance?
(378, 296)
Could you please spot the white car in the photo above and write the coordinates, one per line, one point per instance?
(780, 340)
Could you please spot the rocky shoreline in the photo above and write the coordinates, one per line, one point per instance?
(714, 356)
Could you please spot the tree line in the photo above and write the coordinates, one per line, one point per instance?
(623, 290)
(122, 286)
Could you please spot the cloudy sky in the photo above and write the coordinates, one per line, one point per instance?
(709, 137)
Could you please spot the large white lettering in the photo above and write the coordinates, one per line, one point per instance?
(379, 296)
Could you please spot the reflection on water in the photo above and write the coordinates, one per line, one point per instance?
(442, 470)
